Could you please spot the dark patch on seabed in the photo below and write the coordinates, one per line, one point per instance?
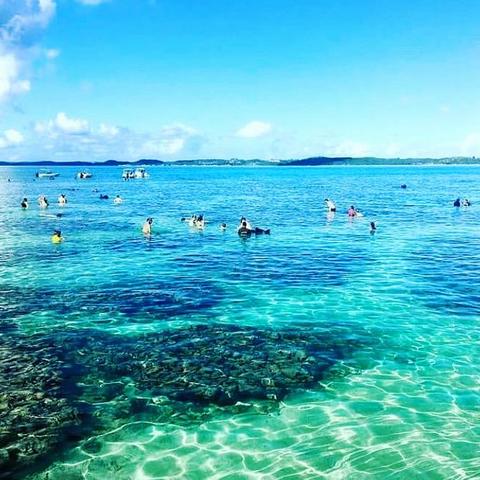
(152, 298)
(59, 388)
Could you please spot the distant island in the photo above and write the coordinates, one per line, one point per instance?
(236, 162)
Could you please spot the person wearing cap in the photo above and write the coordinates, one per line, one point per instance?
(57, 237)
(147, 226)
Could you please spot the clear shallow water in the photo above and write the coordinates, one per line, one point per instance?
(402, 402)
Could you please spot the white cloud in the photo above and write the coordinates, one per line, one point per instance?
(75, 138)
(108, 130)
(62, 124)
(73, 126)
(28, 16)
(254, 129)
(170, 140)
(10, 138)
(10, 81)
(21, 21)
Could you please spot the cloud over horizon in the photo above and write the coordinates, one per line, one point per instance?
(254, 129)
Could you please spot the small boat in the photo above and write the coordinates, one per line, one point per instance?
(46, 174)
(84, 174)
(129, 173)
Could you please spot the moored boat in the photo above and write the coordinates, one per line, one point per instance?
(84, 174)
(129, 173)
(46, 174)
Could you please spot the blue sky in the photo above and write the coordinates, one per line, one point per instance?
(169, 79)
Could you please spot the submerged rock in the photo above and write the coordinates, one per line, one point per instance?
(219, 364)
(60, 387)
(33, 414)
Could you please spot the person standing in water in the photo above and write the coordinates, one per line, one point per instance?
(62, 200)
(42, 201)
(24, 203)
(147, 226)
(331, 207)
(373, 228)
(57, 237)
(352, 212)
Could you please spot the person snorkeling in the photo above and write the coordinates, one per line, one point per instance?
(57, 237)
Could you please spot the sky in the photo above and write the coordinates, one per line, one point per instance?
(273, 79)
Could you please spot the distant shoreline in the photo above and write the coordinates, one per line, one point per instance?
(306, 162)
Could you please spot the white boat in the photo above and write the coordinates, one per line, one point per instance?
(84, 174)
(129, 173)
(46, 174)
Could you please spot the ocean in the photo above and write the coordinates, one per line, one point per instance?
(320, 351)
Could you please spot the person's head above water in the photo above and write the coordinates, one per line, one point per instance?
(373, 226)
(58, 233)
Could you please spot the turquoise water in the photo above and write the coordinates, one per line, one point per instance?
(392, 389)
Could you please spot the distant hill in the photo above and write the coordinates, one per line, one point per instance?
(237, 162)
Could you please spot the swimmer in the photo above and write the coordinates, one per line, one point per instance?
(24, 203)
(247, 223)
(62, 200)
(117, 200)
(199, 222)
(103, 197)
(245, 229)
(457, 202)
(403, 185)
(42, 201)
(223, 227)
(57, 237)
(373, 228)
(331, 207)
(147, 226)
(352, 212)
(466, 202)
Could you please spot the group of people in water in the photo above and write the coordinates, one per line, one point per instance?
(462, 203)
(43, 201)
(244, 228)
